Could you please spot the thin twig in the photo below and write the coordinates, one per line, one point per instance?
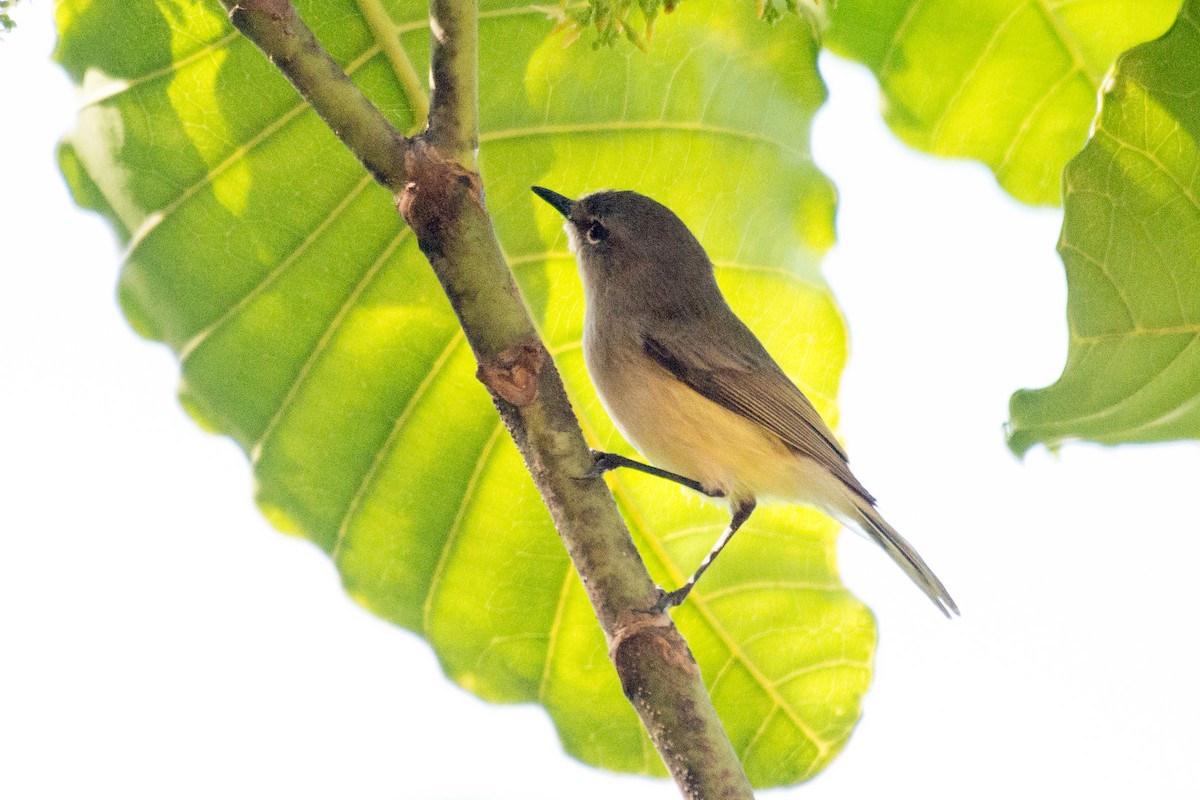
(454, 73)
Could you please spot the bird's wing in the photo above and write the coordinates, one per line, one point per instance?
(741, 376)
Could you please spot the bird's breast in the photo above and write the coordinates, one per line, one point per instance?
(678, 429)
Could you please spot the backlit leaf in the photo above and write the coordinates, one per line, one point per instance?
(311, 330)
(1011, 83)
(1131, 245)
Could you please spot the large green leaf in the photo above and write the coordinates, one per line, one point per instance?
(1131, 245)
(1011, 83)
(311, 330)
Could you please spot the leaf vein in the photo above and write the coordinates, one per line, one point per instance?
(368, 478)
(758, 586)
(456, 529)
(552, 639)
(1034, 112)
(190, 346)
(624, 125)
(323, 343)
(120, 87)
(821, 667)
(901, 30)
(989, 46)
(1123, 403)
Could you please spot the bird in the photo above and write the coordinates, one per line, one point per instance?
(693, 389)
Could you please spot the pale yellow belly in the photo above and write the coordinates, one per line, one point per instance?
(678, 429)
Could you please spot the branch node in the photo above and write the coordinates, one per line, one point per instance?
(275, 9)
(513, 373)
(430, 199)
(630, 623)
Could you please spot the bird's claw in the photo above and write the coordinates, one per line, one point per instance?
(601, 463)
(668, 600)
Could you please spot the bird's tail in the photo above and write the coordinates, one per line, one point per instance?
(872, 523)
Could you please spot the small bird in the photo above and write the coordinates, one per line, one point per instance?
(693, 389)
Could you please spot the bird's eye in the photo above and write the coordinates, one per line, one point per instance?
(596, 233)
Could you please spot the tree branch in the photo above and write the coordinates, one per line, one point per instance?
(454, 75)
(278, 30)
(440, 196)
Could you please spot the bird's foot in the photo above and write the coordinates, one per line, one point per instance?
(601, 463)
(667, 600)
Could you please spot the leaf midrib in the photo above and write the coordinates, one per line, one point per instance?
(1129, 400)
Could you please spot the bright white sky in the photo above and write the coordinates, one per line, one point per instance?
(160, 640)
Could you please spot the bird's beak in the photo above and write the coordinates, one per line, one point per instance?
(561, 203)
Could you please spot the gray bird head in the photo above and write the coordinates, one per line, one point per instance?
(630, 245)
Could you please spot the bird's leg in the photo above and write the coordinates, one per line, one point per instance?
(741, 513)
(606, 462)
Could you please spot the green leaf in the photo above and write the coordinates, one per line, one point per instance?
(310, 329)
(7, 23)
(1011, 83)
(1131, 245)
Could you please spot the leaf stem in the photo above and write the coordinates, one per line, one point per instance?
(387, 35)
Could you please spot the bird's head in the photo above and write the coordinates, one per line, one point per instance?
(626, 241)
